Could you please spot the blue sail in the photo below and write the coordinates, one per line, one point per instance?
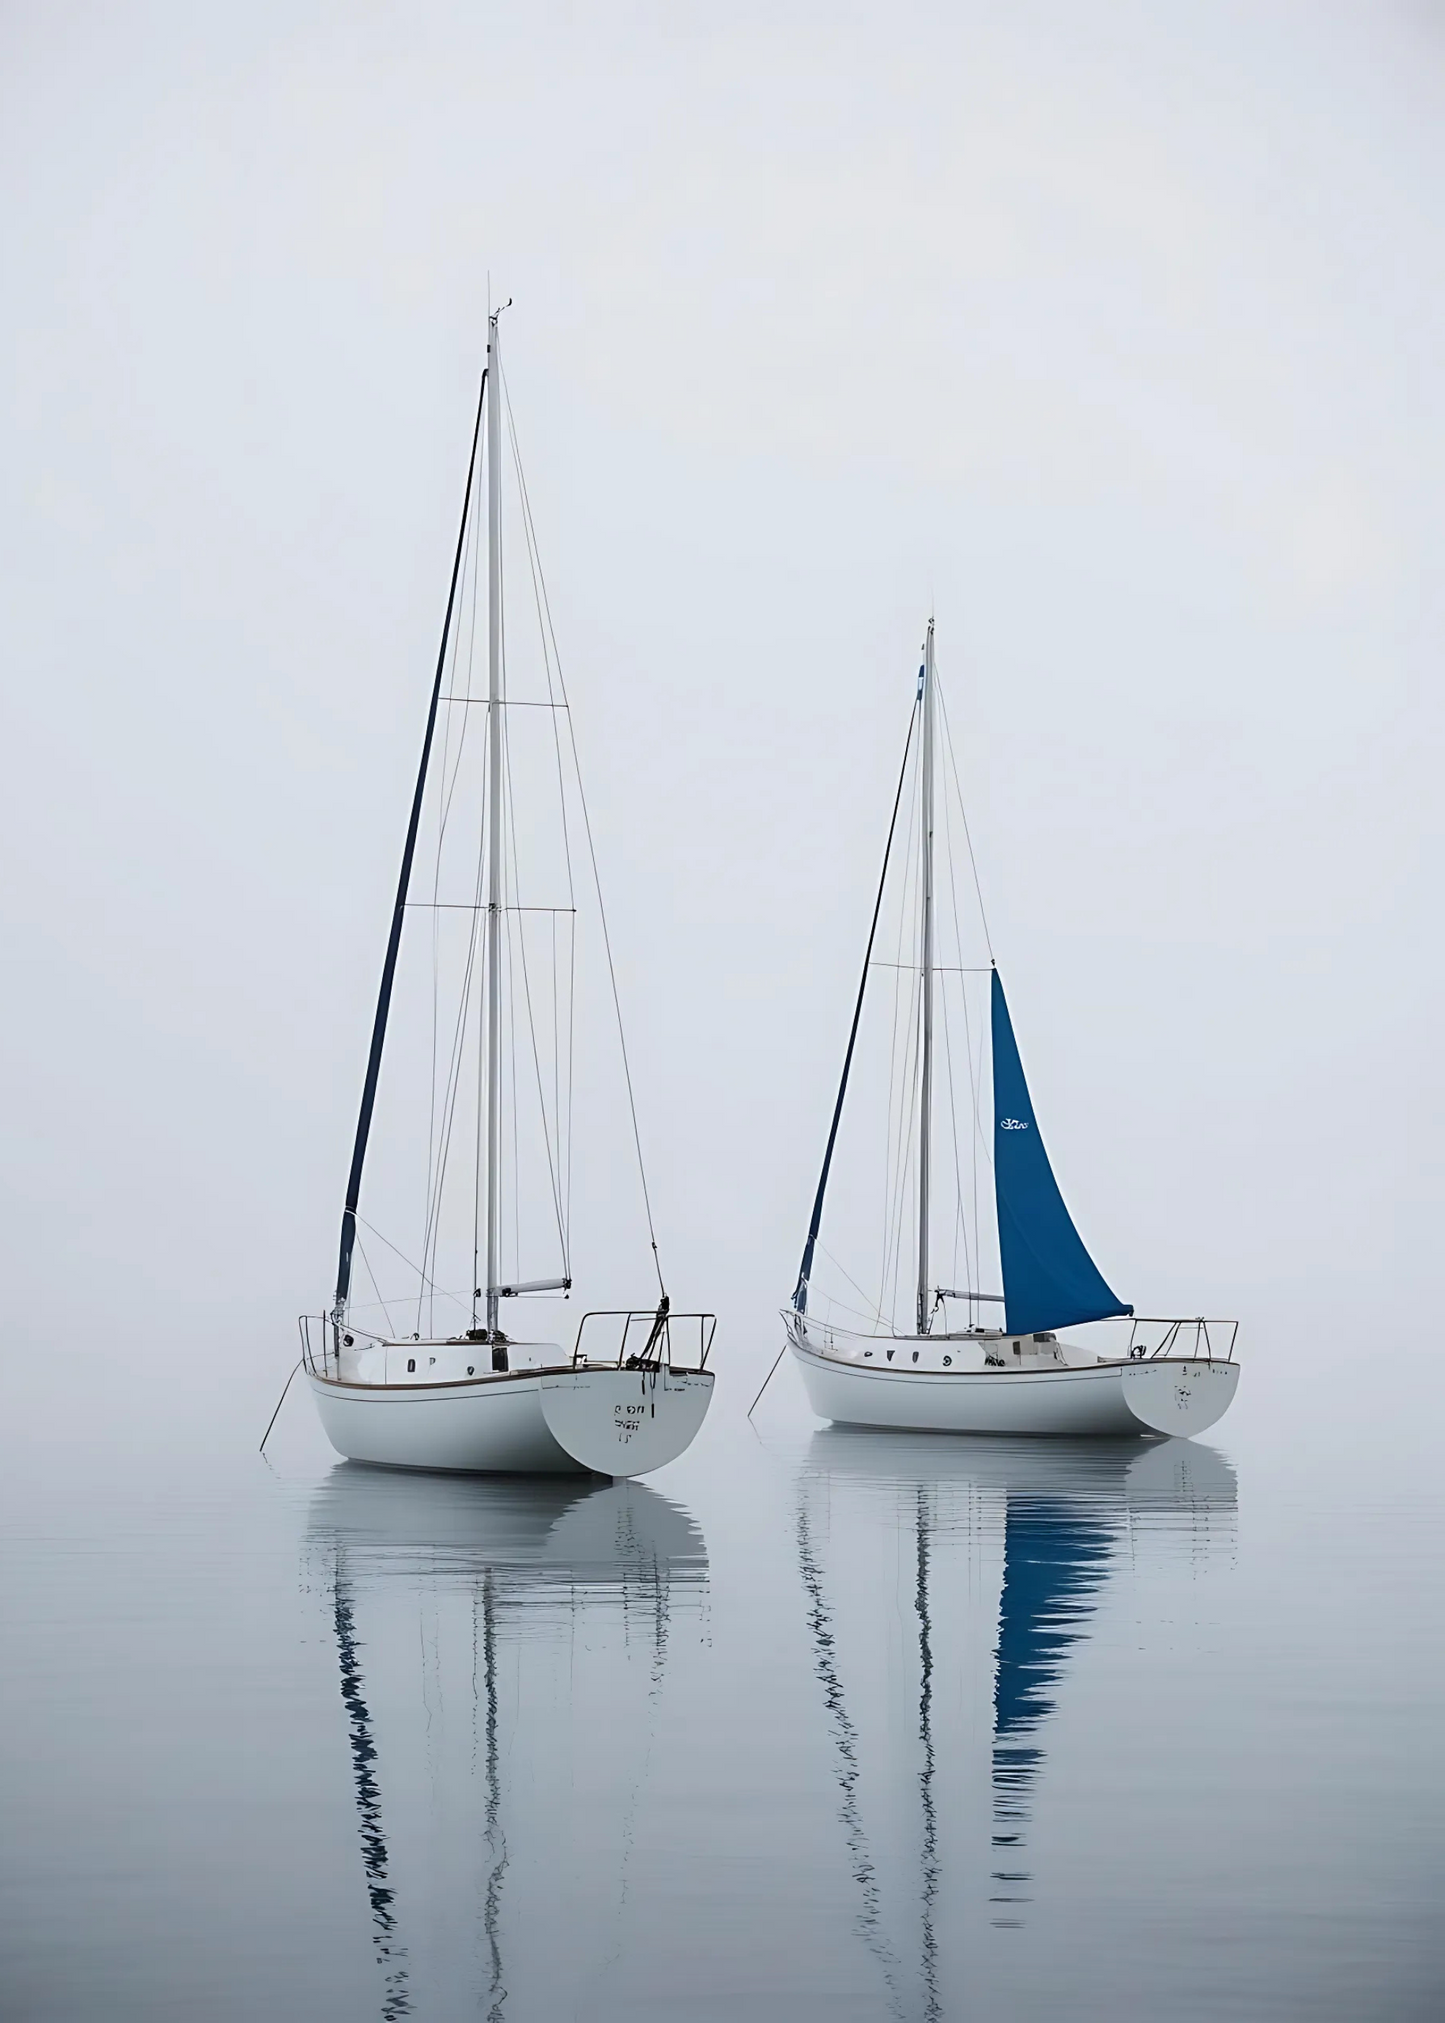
(1049, 1279)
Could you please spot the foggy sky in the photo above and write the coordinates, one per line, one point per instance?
(1111, 335)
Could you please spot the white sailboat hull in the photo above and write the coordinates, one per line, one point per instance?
(529, 1422)
(1166, 1395)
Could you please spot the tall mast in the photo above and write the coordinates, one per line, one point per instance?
(925, 1101)
(494, 817)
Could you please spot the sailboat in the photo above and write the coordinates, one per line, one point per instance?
(633, 1389)
(944, 1370)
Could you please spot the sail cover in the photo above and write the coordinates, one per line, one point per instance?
(1049, 1279)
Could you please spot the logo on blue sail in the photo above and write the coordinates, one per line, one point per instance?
(1012, 1124)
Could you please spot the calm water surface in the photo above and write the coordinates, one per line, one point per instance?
(814, 1724)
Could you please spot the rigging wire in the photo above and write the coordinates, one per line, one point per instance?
(877, 1314)
(960, 1221)
(597, 884)
(393, 941)
(453, 1085)
(436, 1291)
(907, 1186)
(366, 1261)
(963, 811)
(800, 1291)
(544, 620)
(534, 566)
(979, 1139)
(447, 1065)
(962, 1205)
(899, 1084)
(521, 959)
(446, 782)
(367, 1306)
(440, 1127)
(436, 932)
(876, 1320)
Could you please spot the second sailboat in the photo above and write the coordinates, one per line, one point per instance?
(937, 1365)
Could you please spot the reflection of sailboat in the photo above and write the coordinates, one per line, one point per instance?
(993, 1556)
(493, 1783)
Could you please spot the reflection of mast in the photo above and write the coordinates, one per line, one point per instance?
(542, 1544)
(1065, 1507)
(390, 1954)
(1055, 1559)
(925, 1775)
(496, 1838)
(845, 1736)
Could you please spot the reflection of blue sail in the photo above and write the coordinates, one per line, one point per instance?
(935, 1505)
(1056, 1558)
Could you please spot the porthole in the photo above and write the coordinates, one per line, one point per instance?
(471, 1369)
(915, 1355)
(411, 1363)
(867, 1355)
(947, 1362)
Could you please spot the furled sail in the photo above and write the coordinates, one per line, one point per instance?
(1049, 1279)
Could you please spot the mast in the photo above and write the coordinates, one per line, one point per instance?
(494, 819)
(925, 1121)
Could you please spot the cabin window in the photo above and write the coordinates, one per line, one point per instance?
(411, 1363)
(471, 1369)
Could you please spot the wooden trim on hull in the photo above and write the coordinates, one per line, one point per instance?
(1164, 1396)
(426, 1386)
